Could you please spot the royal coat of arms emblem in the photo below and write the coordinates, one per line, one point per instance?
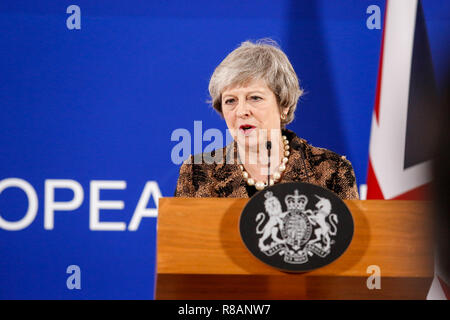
(305, 227)
(303, 232)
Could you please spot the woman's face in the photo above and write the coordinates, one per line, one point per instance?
(251, 111)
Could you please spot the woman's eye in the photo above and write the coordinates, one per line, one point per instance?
(229, 101)
(255, 98)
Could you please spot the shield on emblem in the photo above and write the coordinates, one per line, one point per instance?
(297, 229)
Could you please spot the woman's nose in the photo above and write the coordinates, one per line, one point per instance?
(243, 109)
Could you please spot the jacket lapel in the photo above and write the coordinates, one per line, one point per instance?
(229, 181)
(298, 168)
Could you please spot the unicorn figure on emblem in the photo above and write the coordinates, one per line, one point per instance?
(324, 231)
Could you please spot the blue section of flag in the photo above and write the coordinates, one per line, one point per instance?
(422, 102)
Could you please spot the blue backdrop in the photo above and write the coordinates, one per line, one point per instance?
(101, 103)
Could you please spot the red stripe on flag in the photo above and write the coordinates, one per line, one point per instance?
(445, 288)
(380, 68)
(420, 193)
(373, 188)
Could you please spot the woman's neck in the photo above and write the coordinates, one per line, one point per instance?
(255, 158)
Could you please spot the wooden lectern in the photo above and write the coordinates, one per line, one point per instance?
(200, 254)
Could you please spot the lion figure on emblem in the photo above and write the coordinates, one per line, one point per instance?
(273, 225)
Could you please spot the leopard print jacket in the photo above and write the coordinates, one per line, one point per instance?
(200, 178)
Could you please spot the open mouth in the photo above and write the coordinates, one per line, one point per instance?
(246, 128)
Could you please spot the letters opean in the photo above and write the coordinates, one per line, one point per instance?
(151, 188)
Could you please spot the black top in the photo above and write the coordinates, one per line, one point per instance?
(251, 190)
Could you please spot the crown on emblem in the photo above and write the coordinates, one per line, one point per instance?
(296, 201)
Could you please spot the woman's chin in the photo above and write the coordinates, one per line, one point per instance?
(248, 142)
(252, 138)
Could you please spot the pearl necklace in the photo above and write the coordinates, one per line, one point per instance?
(259, 185)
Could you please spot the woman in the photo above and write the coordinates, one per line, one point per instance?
(255, 89)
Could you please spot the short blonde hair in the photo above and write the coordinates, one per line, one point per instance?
(262, 59)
